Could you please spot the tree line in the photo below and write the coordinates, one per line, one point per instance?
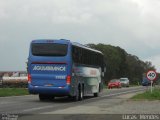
(121, 64)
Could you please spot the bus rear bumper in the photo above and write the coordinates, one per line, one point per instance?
(56, 91)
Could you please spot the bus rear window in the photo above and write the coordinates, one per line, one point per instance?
(49, 49)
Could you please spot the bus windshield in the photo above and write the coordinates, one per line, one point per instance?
(49, 49)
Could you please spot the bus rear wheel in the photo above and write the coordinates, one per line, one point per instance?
(96, 94)
(79, 94)
(43, 97)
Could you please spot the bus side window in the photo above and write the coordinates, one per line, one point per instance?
(78, 55)
(73, 54)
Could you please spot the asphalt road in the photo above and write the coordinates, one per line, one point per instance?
(30, 104)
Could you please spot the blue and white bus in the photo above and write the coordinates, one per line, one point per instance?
(64, 68)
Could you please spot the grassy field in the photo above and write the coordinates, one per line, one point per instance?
(147, 95)
(13, 92)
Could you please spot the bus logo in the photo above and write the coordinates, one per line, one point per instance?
(49, 68)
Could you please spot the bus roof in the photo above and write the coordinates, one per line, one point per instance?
(51, 41)
(64, 41)
(85, 47)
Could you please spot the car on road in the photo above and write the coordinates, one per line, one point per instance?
(124, 82)
(146, 82)
(114, 83)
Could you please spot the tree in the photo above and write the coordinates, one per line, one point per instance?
(121, 64)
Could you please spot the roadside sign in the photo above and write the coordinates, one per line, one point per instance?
(151, 75)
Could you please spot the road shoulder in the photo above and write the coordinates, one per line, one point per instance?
(117, 105)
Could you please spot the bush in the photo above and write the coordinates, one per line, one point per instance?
(14, 83)
(155, 95)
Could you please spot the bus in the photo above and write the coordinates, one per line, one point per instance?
(63, 68)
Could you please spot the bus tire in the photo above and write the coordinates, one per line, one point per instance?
(80, 93)
(42, 97)
(100, 88)
(96, 94)
(76, 97)
(50, 97)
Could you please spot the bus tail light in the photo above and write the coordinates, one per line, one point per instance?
(68, 81)
(29, 78)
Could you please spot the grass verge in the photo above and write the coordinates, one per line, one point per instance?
(13, 92)
(147, 95)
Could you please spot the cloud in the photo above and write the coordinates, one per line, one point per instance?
(55, 11)
(131, 24)
(155, 60)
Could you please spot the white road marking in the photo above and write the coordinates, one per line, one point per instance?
(121, 93)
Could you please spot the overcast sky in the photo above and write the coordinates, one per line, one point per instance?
(133, 25)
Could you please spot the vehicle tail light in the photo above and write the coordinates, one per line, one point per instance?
(68, 81)
(29, 78)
